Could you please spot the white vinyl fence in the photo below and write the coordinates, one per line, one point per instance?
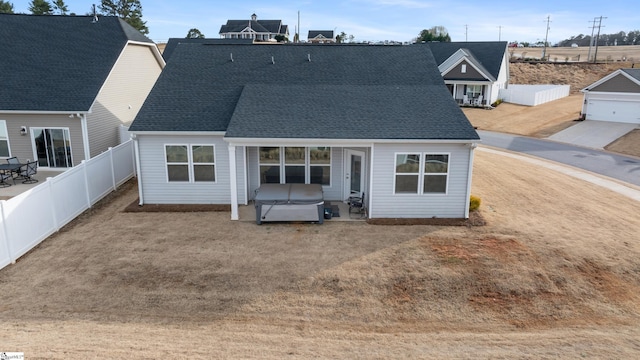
(29, 218)
(532, 95)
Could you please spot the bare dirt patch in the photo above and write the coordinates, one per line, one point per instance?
(555, 272)
(628, 144)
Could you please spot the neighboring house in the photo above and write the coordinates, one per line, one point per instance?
(259, 30)
(615, 97)
(321, 37)
(224, 119)
(473, 71)
(68, 83)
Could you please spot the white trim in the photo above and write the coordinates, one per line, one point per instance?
(369, 199)
(282, 164)
(85, 137)
(346, 158)
(180, 133)
(274, 142)
(469, 179)
(246, 175)
(40, 112)
(34, 150)
(609, 77)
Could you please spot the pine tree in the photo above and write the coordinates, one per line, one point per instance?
(40, 7)
(128, 10)
(6, 7)
(195, 34)
(60, 6)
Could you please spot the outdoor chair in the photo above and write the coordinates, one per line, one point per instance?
(4, 176)
(13, 160)
(356, 205)
(27, 171)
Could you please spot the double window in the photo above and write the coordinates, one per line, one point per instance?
(421, 173)
(190, 163)
(295, 165)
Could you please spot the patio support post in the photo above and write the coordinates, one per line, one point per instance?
(233, 178)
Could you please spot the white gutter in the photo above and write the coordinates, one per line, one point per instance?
(470, 174)
(337, 142)
(136, 148)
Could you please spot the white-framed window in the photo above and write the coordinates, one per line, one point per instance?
(190, 163)
(463, 68)
(5, 150)
(473, 91)
(421, 173)
(295, 165)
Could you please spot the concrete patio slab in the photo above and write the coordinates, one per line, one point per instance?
(8, 192)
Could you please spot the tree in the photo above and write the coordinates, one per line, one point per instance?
(343, 37)
(195, 34)
(60, 7)
(128, 10)
(6, 7)
(40, 7)
(436, 33)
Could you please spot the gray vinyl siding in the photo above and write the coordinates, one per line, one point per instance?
(331, 193)
(22, 146)
(618, 83)
(122, 96)
(158, 190)
(470, 74)
(386, 204)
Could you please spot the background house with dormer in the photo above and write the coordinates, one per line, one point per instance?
(258, 30)
(68, 83)
(474, 72)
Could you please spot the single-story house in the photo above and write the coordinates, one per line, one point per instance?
(474, 72)
(222, 120)
(68, 83)
(615, 97)
(258, 30)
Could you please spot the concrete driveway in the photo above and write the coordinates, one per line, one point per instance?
(593, 134)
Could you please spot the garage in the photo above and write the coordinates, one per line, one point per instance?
(614, 98)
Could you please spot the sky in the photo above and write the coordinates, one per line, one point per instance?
(397, 20)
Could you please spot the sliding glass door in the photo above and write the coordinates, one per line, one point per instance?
(53, 147)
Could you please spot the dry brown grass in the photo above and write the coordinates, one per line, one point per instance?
(554, 273)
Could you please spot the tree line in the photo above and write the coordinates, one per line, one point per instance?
(128, 10)
(620, 38)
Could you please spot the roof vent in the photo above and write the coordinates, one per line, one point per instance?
(273, 61)
(231, 56)
(309, 57)
(95, 15)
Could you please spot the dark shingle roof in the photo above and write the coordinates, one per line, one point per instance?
(173, 42)
(634, 73)
(202, 89)
(325, 33)
(58, 63)
(271, 26)
(489, 53)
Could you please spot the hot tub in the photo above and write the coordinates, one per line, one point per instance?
(289, 202)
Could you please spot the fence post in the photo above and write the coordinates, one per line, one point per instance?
(6, 233)
(52, 204)
(86, 182)
(113, 170)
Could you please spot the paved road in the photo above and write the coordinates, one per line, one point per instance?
(619, 167)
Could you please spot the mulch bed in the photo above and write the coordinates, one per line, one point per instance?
(134, 207)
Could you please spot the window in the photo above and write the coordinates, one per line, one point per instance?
(463, 68)
(297, 165)
(421, 173)
(190, 163)
(473, 91)
(4, 140)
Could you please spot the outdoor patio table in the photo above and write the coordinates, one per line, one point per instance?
(7, 168)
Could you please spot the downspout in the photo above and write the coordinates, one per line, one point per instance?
(369, 198)
(85, 136)
(471, 146)
(136, 150)
(233, 184)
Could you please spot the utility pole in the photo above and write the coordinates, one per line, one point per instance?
(544, 49)
(466, 27)
(595, 56)
(499, 32)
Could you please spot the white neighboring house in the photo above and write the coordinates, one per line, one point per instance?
(615, 98)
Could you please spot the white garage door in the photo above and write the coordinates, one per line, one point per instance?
(611, 110)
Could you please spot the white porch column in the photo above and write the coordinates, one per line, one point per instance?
(233, 178)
